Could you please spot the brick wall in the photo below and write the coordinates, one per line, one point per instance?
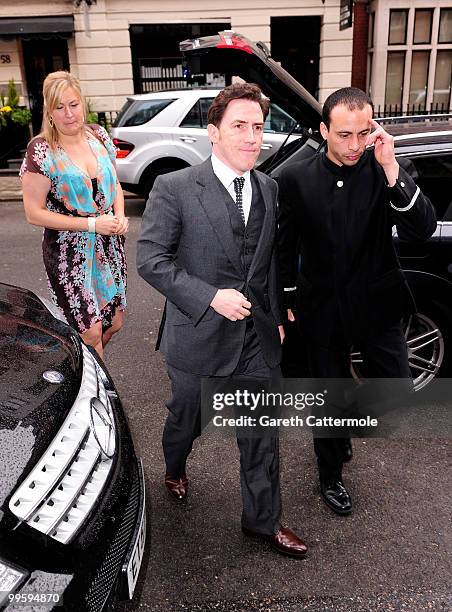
(360, 37)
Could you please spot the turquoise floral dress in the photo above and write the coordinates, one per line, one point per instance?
(87, 272)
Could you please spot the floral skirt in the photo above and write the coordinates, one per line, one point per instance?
(87, 275)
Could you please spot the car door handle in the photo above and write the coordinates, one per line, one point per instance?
(266, 146)
(187, 138)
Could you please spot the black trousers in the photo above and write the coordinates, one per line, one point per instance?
(385, 355)
(259, 457)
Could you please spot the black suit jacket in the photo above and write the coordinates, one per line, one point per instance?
(187, 251)
(336, 247)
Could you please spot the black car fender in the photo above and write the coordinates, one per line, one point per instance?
(428, 288)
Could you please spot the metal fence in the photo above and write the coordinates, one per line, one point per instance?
(106, 118)
(397, 110)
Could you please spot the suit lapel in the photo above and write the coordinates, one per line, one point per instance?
(211, 198)
(264, 239)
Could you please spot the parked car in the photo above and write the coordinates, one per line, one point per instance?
(426, 143)
(72, 505)
(164, 131)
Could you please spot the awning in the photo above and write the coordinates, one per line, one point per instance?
(61, 25)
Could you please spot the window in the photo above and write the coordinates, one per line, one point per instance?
(417, 77)
(193, 118)
(443, 72)
(197, 115)
(418, 80)
(205, 104)
(279, 121)
(370, 39)
(422, 26)
(397, 27)
(369, 73)
(435, 177)
(122, 113)
(394, 78)
(445, 26)
(142, 111)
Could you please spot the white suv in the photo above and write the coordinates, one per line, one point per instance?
(164, 131)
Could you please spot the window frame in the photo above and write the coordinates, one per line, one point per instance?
(188, 127)
(429, 54)
(135, 106)
(410, 48)
(393, 51)
(391, 13)
(416, 12)
(439, 41)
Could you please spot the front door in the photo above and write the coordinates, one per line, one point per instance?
(40, 58)
(295, 42)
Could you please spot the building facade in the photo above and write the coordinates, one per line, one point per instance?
(119, 48)
(107, 43)
(410, 55)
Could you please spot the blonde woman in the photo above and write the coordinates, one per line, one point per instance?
(71, 189)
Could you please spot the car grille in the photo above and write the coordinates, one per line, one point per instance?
(60, 491)
(105, 576)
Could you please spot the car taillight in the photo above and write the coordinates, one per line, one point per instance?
(229, 39)
(123, 148)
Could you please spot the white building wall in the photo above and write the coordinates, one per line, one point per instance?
(100, 51)
(335, 53)
(10, 65)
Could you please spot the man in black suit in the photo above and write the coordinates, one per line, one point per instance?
(339, 266)
(208, 244)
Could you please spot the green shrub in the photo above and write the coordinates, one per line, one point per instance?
(10, 111)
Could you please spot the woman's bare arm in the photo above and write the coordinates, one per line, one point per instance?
(35, 188)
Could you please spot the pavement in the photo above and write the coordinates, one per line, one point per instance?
(10, 188)
(392, 554)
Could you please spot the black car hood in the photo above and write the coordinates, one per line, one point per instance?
(32, 409)
(235, 55)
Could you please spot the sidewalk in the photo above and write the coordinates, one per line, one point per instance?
(10, 189)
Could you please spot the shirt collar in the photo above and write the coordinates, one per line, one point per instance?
(225, 174)
(344, 171)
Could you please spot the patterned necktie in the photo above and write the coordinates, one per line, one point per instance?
(239, 182)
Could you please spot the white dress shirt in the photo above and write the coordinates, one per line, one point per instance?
(226, 176)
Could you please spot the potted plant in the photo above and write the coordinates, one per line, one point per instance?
(14, 124)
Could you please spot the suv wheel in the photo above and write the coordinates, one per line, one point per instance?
(149, 183)
(427, 336)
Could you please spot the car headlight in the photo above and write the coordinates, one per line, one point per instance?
(10, 578)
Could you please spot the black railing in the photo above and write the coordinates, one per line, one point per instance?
(398, 125)
(106, 118)
(397, 110)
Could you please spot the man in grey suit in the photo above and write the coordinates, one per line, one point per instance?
(207, 243)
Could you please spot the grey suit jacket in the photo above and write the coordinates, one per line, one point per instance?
(187, 251)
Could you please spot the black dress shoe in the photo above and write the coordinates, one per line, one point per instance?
(177, 487)
(348, 451)
(284, 541)
(336, 496)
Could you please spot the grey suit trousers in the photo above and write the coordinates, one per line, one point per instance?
(259, 457)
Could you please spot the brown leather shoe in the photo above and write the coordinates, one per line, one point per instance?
(284, 541)
(177, 487)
